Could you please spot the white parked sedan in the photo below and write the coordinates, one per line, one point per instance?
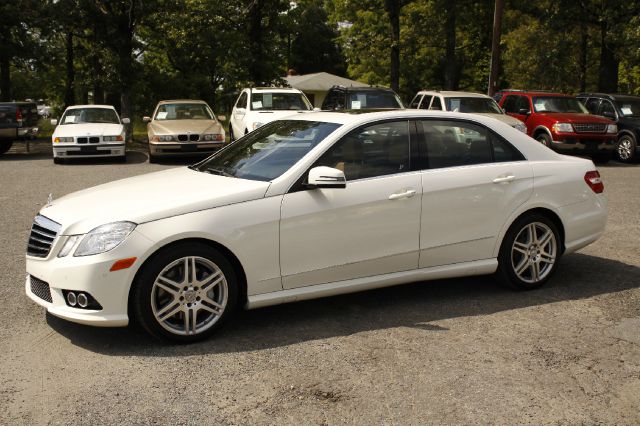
(86, 131)
(313, 205)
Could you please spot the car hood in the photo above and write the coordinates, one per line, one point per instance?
(149, 197)
(174, 127)
(575, 118)
(268, 116)
(511, 121)
(88, 129)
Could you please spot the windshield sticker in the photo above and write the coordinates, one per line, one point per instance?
(626, 110)
(267, 100)
(256, 104)
(355, 104)
(161, 115)
(541, 106)
(70, 119)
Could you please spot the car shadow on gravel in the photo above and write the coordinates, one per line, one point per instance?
(418, 305)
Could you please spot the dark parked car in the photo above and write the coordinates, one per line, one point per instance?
(625, 111)
(341, 98)
(18, 120)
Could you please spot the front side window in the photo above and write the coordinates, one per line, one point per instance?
(269, 151)
(372, 99)
(376, 150)
(510, 104)
(242, 101)
(553, 104)
(436, 104)
(456, 143)
(473, 105)
(425, 102)
(183, 111)
(279, 102)
(592, 105)
(606, 109)
(90, 115)
(415, 102)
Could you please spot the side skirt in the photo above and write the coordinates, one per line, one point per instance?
(476, 267)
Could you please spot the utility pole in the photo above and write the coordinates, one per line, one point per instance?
(495, 46)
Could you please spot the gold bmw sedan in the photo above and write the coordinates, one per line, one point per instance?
(183, 127)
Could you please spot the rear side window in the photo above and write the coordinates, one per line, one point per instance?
(510, 104)
(457, 143)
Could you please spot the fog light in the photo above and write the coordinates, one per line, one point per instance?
(82, 300)
(71, 298)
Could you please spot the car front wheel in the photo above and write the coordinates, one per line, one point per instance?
(625, 148)
(5, 146)
(544, 139)
(185, 293)
(529, 253)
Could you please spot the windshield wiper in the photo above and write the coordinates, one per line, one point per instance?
(219, 172)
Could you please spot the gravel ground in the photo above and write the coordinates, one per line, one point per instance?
(462, 351)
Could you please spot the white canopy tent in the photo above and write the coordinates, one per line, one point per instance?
(316, 85)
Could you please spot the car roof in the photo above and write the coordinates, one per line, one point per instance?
(273, 89)
(452, 93)
(91, 106)
(534, 93)
(608, 96)
(182, 101)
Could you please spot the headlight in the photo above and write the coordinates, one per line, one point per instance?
(113, 138)
(64, 139)
(521, 126)
(612, 128)
(256, 125)
(104, 238)
(563, 128)
(212, 137)
(163, 138)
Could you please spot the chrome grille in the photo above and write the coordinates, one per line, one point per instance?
(590, 127)
(190, 137)
(43, 232)
(81, 140)
(94, 139)
(40, 288)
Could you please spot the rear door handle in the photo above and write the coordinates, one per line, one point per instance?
(504, 179)
(406, 194)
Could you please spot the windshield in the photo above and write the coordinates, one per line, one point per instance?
(558, 104)
(473, 105)
(269, 151)
(373, 100)
(629, 107)
(89, 115)
(183, 112)
(279, 102)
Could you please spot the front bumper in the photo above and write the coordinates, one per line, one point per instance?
(87, 274)
(183, 148)
(584, 143)
(89, 150)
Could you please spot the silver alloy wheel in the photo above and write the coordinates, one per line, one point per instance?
(624, 148)
(534, 252)
(543, 140)
(189, 295)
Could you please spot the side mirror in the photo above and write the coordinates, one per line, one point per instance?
(326, 177)
(146, 119)
(524, 111)
(609, 114)
(222, 118)
(126, 121)
(54, 122)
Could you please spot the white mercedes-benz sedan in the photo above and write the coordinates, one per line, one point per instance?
(313, 205)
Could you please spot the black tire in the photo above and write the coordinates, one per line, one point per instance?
(122, 159)
(602, 158)
(153, 159)
(5, 146)
(544, 139)
(626, 148)
(506, 273)
(58, 160)
(142, 293)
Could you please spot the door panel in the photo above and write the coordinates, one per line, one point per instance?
(329, 235)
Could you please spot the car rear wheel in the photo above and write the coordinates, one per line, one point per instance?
(5, 146)
(185, 293)
(529, 253)
(626, 148)
(544, 139)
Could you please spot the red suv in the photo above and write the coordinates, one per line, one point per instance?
(562, 123)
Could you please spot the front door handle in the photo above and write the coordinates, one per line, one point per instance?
(406, 194)
(504, 179)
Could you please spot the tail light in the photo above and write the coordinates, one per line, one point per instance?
(19, 116)
(594, 181)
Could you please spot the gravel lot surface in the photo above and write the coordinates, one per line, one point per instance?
(460, 351)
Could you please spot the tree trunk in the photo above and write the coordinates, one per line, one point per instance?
(5, 76)
(256, 67)
(495, 47)
(582, 60)
(450, 66)
(69, 88)
(126, 83)
(393, 10)
(608, 72)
